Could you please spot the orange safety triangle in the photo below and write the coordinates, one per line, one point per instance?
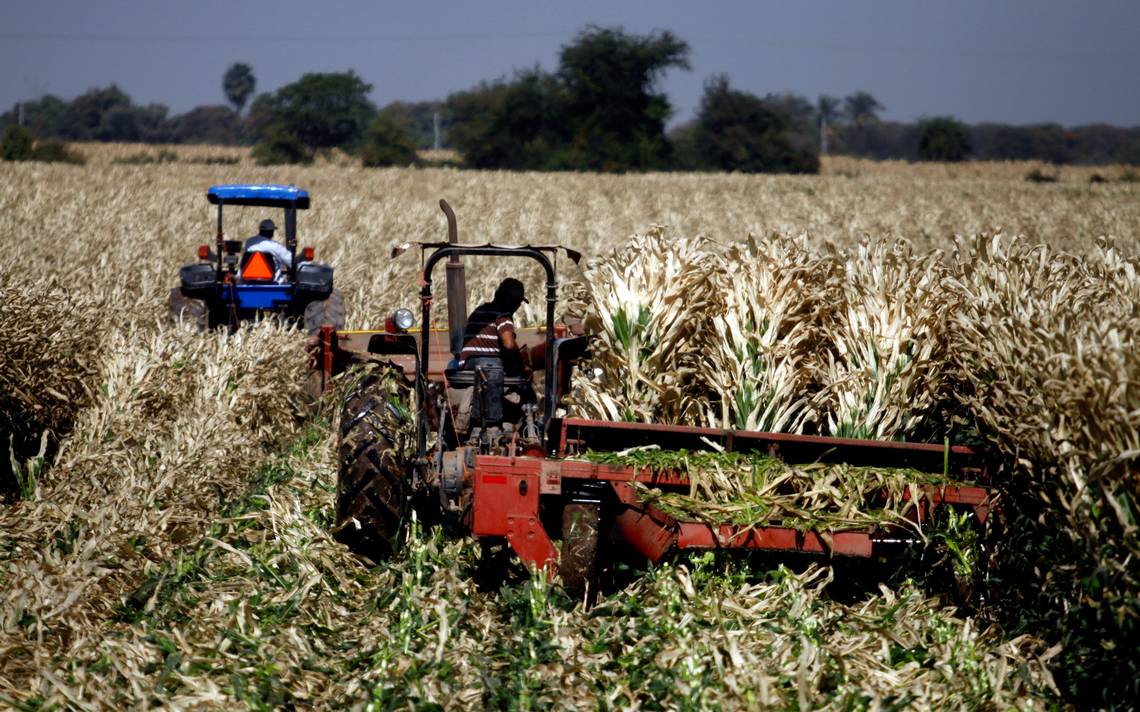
(257, 268)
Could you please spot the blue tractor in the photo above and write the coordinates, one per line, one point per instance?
(236, 282)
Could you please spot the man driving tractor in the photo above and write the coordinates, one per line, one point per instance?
(263, 242)
(490, 348)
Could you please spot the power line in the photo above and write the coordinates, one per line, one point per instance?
(150, 37)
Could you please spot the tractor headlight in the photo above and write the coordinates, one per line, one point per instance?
(403, 320)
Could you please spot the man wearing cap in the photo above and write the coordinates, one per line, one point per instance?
(489, 346)
(263, 242)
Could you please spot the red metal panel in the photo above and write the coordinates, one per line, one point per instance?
(979, 498)
(694, 535)
(648, 530)
(528, 538)
(500, 493)
(647, 536)
(505, 503)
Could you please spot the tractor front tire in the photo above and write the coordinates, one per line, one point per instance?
(329, 310)
(372, 493)
(579, 561)
(181, 308)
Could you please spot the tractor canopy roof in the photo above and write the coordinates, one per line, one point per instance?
(270, 196)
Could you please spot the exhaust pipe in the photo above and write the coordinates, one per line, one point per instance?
(456, 286)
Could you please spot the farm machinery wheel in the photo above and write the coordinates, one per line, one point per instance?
(181, 308)
(579, 561)
(372, 494)
(329, 310)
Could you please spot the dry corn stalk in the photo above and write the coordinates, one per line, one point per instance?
(887, 343)
(644, 303)
(756, 350)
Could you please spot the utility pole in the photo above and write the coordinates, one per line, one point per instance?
(822, 134)
(435, 129)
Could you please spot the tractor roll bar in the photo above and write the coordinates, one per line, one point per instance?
(492, 251)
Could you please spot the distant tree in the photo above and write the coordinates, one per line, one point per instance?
(800, 115)
(418, 120)
(319, 110)
(861, 107)
(44, 116)
(828, 109)
(386, 143)
(218, 125)
(108, 115)
(738, 131)
(17, 145)
(517, 125)
(20, 144)
(943, 138)
(278, 146)
(876, 139)
(1043, 142)
(262, 113)
(238, 84)
(599, 111)
(86, 114)
(53, 151)
(615, 117)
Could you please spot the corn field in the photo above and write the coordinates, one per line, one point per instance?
(166, 539)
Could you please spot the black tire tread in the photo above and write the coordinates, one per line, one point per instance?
(373, 494)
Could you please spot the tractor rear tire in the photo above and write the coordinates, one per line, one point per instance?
(579, 561)
(373, 494)
(181, 308)
(329, 310)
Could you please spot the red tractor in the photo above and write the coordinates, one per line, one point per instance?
(531, 488)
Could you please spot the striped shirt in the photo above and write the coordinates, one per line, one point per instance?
(482, 335)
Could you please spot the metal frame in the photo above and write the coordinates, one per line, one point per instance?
(426, 299)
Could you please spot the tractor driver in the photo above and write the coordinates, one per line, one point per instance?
(263, 242)
(489, 346)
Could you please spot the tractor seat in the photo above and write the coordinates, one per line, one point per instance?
(459, 378)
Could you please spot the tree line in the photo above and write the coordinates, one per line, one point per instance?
(600, 109)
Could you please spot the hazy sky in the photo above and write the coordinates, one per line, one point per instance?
(1016, 61)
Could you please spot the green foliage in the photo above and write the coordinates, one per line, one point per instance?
(943, 138)
(108, 115)
(279, 146)
(321, 110)
(1044, 142)
(27, 472)
(615, 118)
(214, 125)
(511, 125)
(44, 116)
(20, 145)
(56, 152)
(17, 144)
(238, 83)
(418, 120)
(738, 131)
(387, 144)
(598, 112)
(862, 107)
